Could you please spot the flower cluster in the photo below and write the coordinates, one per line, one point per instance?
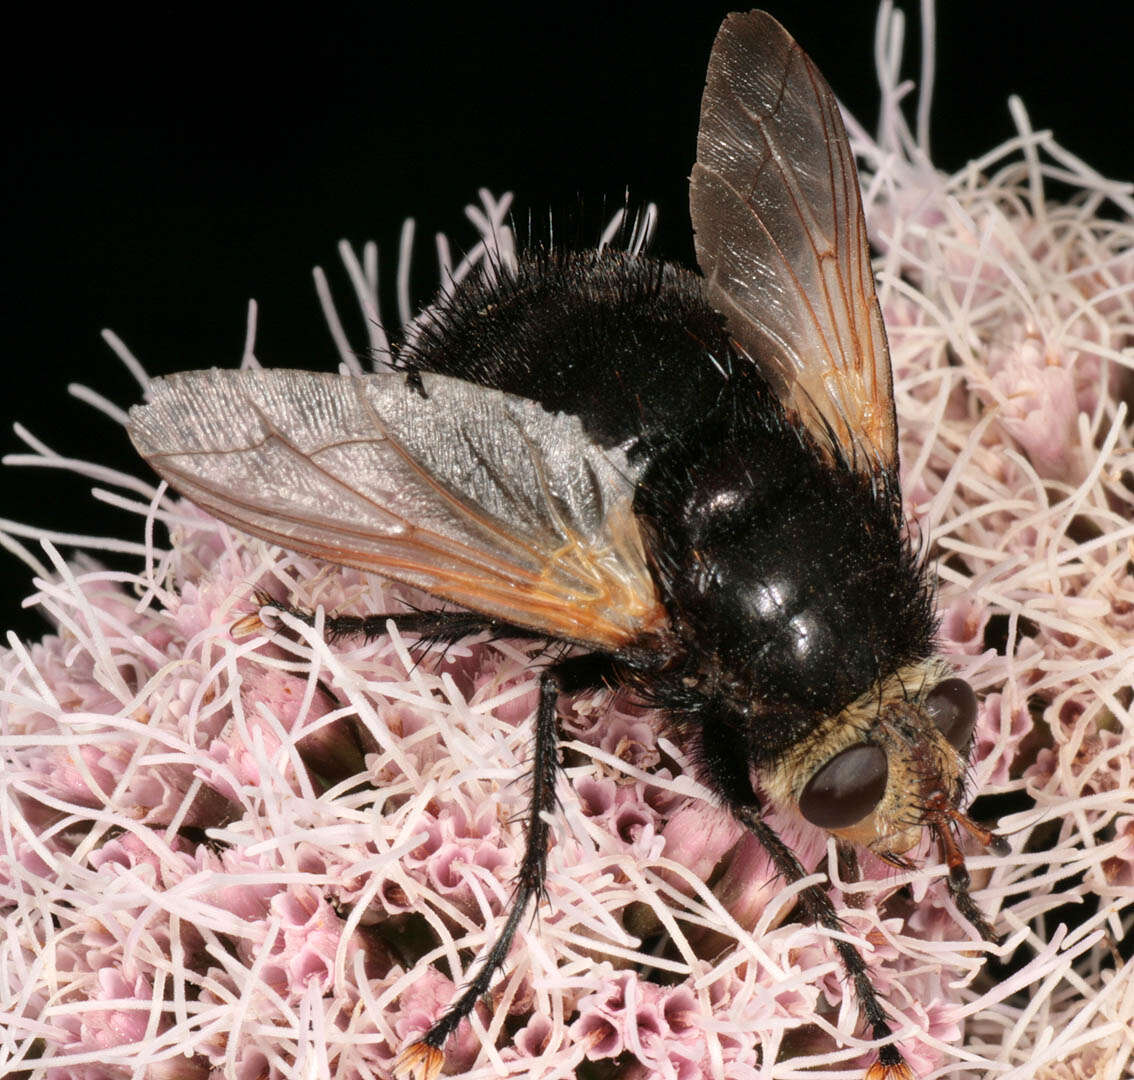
(236, 849)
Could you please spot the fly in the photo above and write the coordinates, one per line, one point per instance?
(692, 479)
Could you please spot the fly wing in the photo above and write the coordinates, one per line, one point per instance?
(474, 495)
(781, 239)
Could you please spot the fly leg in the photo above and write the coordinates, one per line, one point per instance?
(730, 775)
(818, 909)
(424, 1058)
(438, 626)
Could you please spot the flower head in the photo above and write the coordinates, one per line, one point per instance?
(229, 849)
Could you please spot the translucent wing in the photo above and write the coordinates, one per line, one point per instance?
(476, 496)
(781, 239)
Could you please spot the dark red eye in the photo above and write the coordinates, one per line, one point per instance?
(847, 788)
(952, 706)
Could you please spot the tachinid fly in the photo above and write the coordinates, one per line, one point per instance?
(691, 479)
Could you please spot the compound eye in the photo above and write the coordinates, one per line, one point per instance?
(952, 706)
(847, 788)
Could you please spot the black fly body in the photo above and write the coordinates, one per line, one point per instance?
(690, 479)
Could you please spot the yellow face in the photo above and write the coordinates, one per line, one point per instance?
(885, 767)
(921, 764)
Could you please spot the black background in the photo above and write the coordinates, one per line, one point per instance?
(165, 165)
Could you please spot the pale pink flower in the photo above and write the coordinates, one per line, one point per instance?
(999, 731)
(217, 845)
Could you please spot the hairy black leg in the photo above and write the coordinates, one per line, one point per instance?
(423, 1059)
(846, 856)
(847, 859)
(439, 626)
(945, 820)
(958, 882)
(818, 909)
(729, 774)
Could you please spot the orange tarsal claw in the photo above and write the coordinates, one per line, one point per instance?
(900, 1071)
(247, 626)
(419, 1061)
(251, 623)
